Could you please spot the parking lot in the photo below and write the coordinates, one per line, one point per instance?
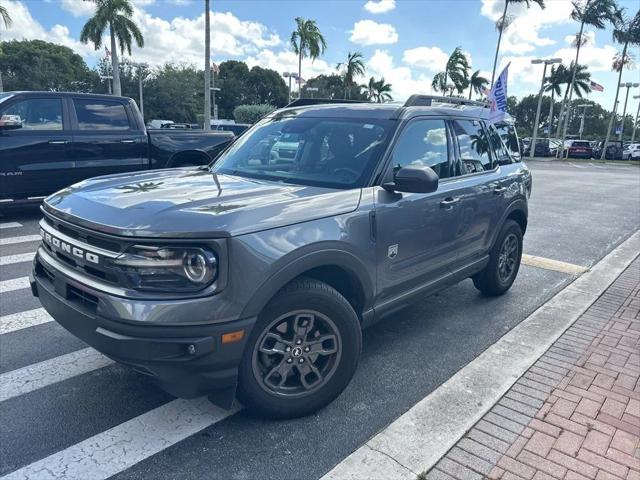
(59, 409)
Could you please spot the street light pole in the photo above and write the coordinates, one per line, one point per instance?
(635, 125)
(584, 109)
(624, 109)
(546, 62)
(139, 66)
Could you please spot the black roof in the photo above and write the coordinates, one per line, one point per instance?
(64, 94)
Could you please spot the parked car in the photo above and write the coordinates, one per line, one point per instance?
(159, 123)
(579, 149)
(49, 140)
(613, 152)
(631, 152)
(249, 277)
(237, 128)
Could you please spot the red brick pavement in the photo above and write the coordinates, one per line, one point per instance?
(575, 414)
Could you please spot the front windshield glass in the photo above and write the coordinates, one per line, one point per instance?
(4, 96)
(326, 152)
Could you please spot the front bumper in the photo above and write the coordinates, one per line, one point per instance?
(186, 361)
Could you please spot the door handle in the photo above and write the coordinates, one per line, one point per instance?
(499, 190)
(127, 141)
(449, 202)
(58, 142)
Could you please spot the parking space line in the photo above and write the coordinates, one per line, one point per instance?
(45, 373)
(14, 284)
(555, 265)
(23, 239)
(18, 258)
(114, 450)
(10, 225)
(577, 166)
(18, 321)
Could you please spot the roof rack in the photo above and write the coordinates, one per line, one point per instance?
(428, 100)
(303, 102)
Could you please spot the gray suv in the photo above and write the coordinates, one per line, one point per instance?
(255, 276)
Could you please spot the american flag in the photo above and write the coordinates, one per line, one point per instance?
(596, 86)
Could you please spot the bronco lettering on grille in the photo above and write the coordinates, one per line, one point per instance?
(68, 248)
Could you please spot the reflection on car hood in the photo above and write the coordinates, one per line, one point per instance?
(193, 203)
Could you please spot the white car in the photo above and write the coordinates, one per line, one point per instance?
(631, 152)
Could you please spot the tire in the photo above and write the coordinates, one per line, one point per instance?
(334, 326)
(497, 277)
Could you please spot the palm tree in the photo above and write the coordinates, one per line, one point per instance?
(595, 13)
(626, 32)
(206, 124)
(502, 23)
(116, 16)
(477, 83)
(353, 67)
(377, 90)
(307, 41)
(553, 84)
(6, 19)
(456, 69)
(578, 80)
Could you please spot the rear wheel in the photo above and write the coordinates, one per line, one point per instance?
(302, 352)
(504, 262)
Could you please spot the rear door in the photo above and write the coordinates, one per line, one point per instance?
(106, 138)
(35, 159)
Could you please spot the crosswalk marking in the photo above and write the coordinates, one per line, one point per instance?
(22, 239)
(18, 258)
(121, 447)
(10, 225)
(42, 374)
(18, 321)
(14, 284)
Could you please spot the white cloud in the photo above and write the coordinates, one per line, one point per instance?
(523, 34)
(368, 32)
(402, 80)
(78, 8)
(379, 6)
(430, 58)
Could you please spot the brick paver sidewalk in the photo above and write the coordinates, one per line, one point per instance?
(575, 414)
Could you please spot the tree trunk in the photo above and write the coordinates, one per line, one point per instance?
(615, 105)
(1, 86)
(573, 79)
(562, 109)
(470, 90)
(550, 121)
(495, 60)
(300, 71)
(207, 68)
(115, 66)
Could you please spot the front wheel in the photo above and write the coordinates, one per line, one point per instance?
(504, 262)
(302, 352)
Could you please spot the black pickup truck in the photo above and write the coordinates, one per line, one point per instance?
(50, 140)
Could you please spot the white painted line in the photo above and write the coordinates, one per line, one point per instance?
(23, 239)
(42, 374)
(550, 264)
(577, 166)
(14, 284)
(18, 258)
(420, 437)
(120, 447)
(10, 225)
(18, 321)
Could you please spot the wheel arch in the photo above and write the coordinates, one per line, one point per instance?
(517, 211)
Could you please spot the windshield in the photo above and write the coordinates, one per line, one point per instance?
(4, 96)
(326, 152)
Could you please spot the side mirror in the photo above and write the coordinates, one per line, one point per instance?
(413, 180)
(10, 122)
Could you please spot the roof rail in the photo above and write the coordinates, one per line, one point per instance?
(428, 100)
(302, 102)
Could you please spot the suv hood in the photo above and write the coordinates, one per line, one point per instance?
(189, 203)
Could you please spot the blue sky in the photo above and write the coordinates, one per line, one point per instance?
(406, 41)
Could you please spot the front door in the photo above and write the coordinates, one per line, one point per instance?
(416, 232)
(35, 158)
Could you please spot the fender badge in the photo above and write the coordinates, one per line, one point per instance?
(392, 252)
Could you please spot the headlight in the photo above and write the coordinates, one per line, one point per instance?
(168, 269)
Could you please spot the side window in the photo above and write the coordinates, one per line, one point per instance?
(423, 143)
(473, 144)
(101, 115)
(500, 150)
(38, 113)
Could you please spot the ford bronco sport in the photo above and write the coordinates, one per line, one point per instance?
(255, 276)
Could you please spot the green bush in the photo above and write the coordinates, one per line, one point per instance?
(251, 113)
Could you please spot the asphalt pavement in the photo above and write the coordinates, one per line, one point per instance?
(128, 428)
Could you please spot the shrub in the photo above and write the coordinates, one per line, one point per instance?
(251, 113)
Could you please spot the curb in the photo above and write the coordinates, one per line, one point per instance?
(420, 437)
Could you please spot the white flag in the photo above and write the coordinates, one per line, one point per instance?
(498, 97)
